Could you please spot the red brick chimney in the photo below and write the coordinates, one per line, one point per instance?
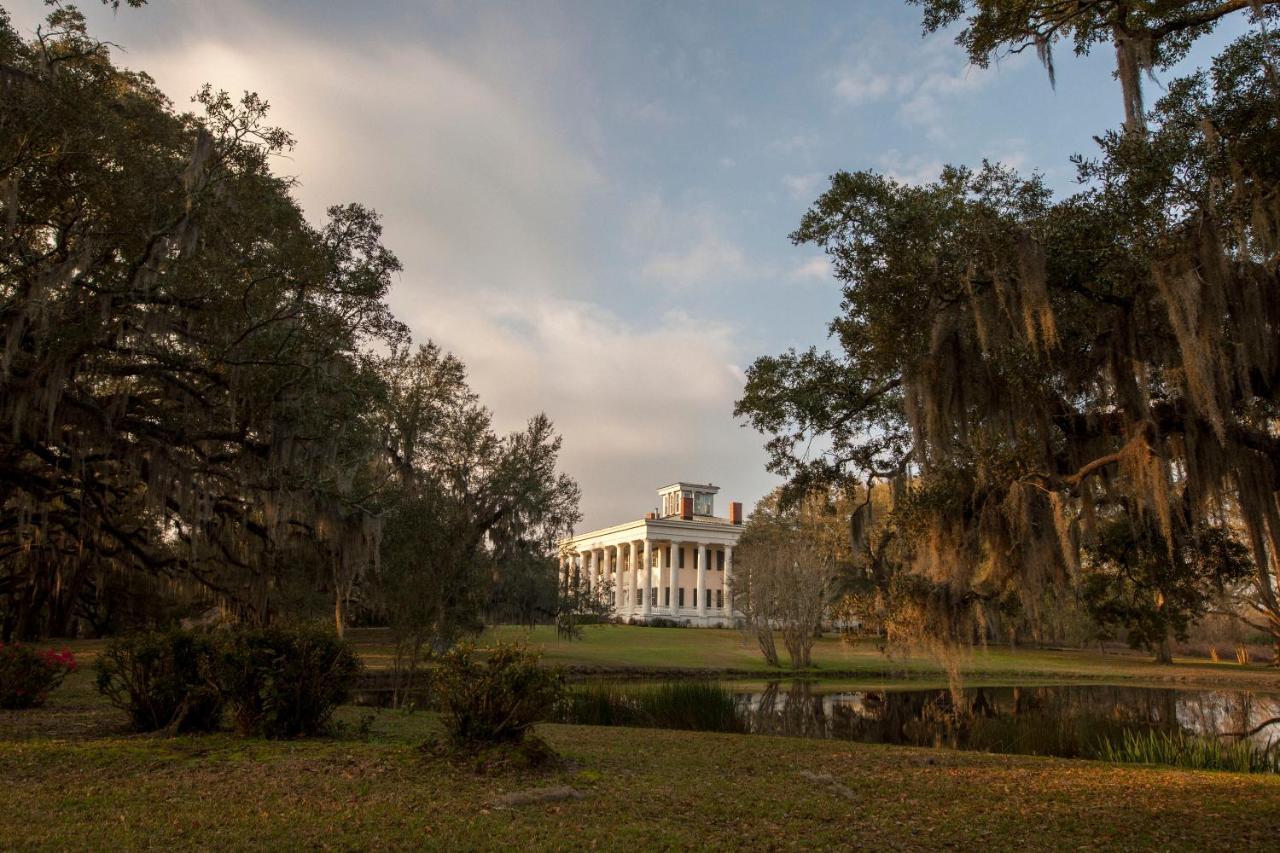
(686, 509)
(735, 512)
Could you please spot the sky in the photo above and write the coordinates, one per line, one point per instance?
(592, 199)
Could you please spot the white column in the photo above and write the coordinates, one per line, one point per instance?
(728, 582)
(633, 579)
(647, 576)
(702, 578)
(617, 585)
(663, 582)
(673, 557)
(608, 566)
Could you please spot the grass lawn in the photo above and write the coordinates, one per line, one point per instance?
(625, 648)
(73, 779)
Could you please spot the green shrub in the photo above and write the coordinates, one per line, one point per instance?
(28, 676)
(494, 698)
(162, 680)
(284, 681)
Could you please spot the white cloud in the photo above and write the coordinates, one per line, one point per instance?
(681, 248)
(803, 187)
(817, 268)
(921, 83)
(861, 84)
(639, 405)
(795, 143)
(909, 170)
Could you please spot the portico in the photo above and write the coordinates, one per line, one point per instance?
(675, 563)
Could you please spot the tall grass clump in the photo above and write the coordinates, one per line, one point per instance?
(1192, 752)
(688, 705)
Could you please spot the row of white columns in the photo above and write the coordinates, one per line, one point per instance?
(611, 561)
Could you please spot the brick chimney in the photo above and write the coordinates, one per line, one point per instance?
(735, 512)
(686, 509)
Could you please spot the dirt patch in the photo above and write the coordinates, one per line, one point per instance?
(538, 796)
(831, 783)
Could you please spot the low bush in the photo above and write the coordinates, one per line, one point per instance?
(162, 680)
(28, 676)
(494, 697)
(284, 681)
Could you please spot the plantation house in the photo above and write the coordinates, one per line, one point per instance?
(675, 563)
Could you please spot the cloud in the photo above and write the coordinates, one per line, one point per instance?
(909, 170)
(803, 187)
(922, 83)
(813, 269)
(796, 143)
(681, 248)
(861, 84)
(639, 405)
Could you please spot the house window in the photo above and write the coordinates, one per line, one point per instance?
(702, 503)
(706, 594)
(720, 599)
(719, 561)
(639, 596)
(679, 557)
(682, 596)
(666, 597)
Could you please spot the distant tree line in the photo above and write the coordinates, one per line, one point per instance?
(205, 401)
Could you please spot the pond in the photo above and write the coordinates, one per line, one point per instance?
(1061, 720)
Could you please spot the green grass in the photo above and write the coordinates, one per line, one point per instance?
(685, 705)
(74, 779)
(620, 648)
(632, 650)
(1195, 752)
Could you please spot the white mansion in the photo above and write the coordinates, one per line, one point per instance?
(676, 563)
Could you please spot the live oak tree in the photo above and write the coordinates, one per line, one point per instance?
(1147, 35)
(1021, 369)
(182, 371)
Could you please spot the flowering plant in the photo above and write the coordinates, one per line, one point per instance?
(27, 675)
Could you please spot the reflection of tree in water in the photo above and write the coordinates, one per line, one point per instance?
(1044, 720)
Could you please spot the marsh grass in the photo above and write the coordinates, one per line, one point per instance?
(687, 705)
(1191, 752)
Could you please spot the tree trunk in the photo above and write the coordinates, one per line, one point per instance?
(1164, 652)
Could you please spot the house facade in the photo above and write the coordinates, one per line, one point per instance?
(676, 563)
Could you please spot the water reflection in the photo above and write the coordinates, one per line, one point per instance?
(1063, 720)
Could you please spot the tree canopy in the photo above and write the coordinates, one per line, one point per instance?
(1021, 367)
(1146, 34)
